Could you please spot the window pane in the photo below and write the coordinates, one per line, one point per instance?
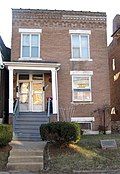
(77, 95)
(34, 52)
(75, 40)
(26, 40)
(25, 51)
(85, 126)
(87, 96)
(76, 53)
(23, 76)
(35, 40)
(75, 46)
(84, 47)
(80, 82)
(37, 77)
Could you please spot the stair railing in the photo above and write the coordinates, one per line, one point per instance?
(16, 108)
(48, 109)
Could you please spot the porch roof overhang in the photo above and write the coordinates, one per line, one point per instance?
(32, 65)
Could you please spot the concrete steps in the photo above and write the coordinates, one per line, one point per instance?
(26, 156)
(26, 126)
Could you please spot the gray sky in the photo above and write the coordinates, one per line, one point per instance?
(109, 6)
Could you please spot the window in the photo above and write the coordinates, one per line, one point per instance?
(80, 44)
(86, 126)
(30, 43)
(81, 87)
(85, 122)
(113, 64)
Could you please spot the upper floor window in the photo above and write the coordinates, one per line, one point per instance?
(80, 47)
(30, 43)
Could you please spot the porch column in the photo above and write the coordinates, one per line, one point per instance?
(54, 91)
(10, 91)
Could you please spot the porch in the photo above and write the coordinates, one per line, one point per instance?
(32, 83)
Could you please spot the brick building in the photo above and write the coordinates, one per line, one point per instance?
(62, 54)
(114, 66)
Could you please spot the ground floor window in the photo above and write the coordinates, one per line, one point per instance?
(81, 87)
(86, 126)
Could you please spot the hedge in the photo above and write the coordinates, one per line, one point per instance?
(60, 132)
(5, 134)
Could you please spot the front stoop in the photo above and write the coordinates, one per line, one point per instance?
(26, 156)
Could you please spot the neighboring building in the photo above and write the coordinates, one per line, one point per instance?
(4, 85)
(114, 66)
(62, 54)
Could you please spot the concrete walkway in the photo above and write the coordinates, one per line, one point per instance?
(26, 157)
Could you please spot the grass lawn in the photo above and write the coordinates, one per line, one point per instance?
(86, 155)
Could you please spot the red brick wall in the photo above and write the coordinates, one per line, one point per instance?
(114, 53)
(56, 46)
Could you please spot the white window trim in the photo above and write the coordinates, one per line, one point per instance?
(30, 58)
(27, 30)
(82, 74)
(79, 59)
(82, 119)
(87, 73)
(81, 33)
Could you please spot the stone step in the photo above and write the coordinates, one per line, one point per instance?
(32, 113)
(26, 156)
(32, 139)
(27, 124)
(25, 166)
(39, 119)
(26, 152)
(22, 131)
(18, 159)
(23, 134)
(25, 127)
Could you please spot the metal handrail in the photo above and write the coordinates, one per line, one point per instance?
(48, 107)
(16, 107)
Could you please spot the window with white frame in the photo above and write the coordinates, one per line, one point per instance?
(30, 43)
(80, 47)
(81, 88)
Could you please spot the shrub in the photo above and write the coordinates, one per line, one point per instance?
(60, 132)
(5, 134)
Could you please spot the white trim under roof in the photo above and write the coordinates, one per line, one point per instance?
(82, 119)
(32, 65)
(27, 30)
(80, 31)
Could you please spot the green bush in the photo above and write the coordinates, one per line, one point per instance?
(5, 134)
(60, 132)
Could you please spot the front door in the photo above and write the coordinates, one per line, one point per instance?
(37, 96)
(31, 95)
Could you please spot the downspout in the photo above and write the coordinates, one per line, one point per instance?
(58, 116)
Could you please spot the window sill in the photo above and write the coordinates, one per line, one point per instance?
(78, 59)
(30, 58)
(82, 103)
